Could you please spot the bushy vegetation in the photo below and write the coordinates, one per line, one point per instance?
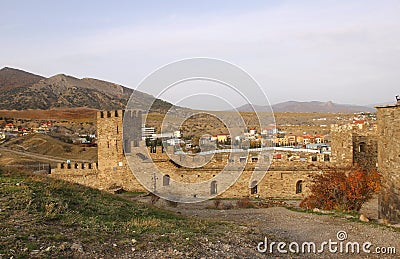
(344, 190)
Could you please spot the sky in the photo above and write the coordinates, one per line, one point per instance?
(340, 51)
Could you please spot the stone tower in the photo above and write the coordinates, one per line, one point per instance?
(389, 161)
(113, 167)
(109, 140)
(353, 147)
(342, 145)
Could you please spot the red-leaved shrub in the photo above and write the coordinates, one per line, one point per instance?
(342, 189)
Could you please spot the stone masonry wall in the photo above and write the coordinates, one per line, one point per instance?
(389, 161)
(342, 145)
(351, 146)
(287, 177)
(365, 151)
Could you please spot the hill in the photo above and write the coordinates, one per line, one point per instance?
(41, 144)
(13, 79)
(310, 107)
(71, 114)
(45, 218)
(21, 90)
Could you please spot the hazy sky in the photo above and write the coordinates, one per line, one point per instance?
(344, 51)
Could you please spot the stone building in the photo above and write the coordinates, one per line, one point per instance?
(288, 176)
(352, 146)
(284, 179)
(389, 161)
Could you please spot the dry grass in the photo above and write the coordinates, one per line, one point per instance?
(47, 145)
(76, 114)
(38, 212)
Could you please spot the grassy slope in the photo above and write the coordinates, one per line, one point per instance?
(44, 217)
(47, 145)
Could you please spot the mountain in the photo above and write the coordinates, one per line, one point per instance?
(251, 108)
(20, 90)
(11, 78)
(309, 107)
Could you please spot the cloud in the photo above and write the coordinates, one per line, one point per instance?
(330, 50)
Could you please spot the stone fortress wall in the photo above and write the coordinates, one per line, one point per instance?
(389, 161)
(351, 146)
(287, 177)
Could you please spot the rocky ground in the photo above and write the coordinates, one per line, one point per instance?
(42, 217)
(284, 222)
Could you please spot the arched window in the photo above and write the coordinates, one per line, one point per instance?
(213, 187)
(253, 189)
(362, 147)
(127, 146)
(166, 180)
(299, 187)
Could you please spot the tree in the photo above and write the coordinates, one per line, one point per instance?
(344, 190)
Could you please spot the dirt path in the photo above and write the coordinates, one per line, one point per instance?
(40, 156)
(280, 224)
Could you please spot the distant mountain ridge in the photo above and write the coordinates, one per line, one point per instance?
(309, 107)
(20, 90)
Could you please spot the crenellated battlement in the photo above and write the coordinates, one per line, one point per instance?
(120, 114)
(77, 165)
(133, 114)
(110, 114)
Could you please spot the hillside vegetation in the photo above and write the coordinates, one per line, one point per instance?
(43, 217)
(21, 90)
(46, 145)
